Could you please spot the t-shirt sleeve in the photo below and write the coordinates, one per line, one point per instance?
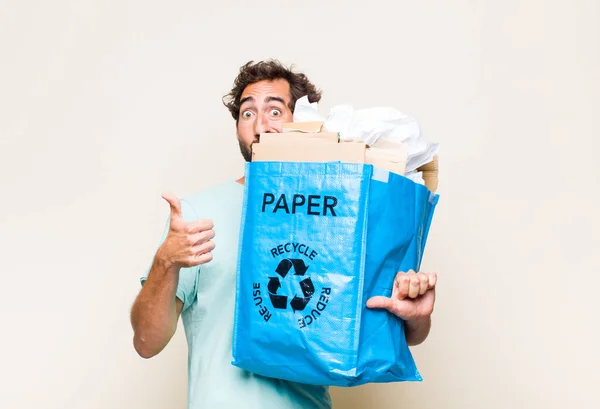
(188, 276)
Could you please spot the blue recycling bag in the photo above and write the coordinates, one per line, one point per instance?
(318, 240)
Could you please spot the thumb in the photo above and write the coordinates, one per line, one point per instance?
(379, 302)
(175, 205)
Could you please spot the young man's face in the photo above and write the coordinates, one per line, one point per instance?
(264, 108)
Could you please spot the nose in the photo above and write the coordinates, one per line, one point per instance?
(261, 125)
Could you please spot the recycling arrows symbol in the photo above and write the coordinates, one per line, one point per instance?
(280, 301)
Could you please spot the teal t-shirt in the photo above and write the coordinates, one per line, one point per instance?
(208, 295)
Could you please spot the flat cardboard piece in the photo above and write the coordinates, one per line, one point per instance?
(431, 172)
(431, 179)
(433, 165)
(308, 150)
(387, 144)
(303, 126)
(331, 137)
(392, 158)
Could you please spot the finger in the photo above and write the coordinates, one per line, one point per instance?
(200, 226)
(432, 280)
(175, 205)
(206, 247)
(402, 283)
(204, 258)
(199, 238)
(415, 285)
(380, 302)
(423, 282)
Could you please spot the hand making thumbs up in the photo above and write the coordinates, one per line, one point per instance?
(188, 243)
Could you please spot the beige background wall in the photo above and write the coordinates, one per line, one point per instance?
(105, 104)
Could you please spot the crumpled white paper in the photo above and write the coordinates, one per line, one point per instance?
(373, 126)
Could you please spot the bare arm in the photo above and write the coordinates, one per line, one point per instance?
(417, 330)
(156, 310)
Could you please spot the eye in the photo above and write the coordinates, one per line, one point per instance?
(246, 114)
(275, 112)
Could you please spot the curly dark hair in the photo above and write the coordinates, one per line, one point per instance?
(269, 70)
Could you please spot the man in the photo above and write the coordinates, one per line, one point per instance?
(192, 278)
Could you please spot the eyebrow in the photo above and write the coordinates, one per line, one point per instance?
(243, 100)
(271, 99)
(267, 100)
